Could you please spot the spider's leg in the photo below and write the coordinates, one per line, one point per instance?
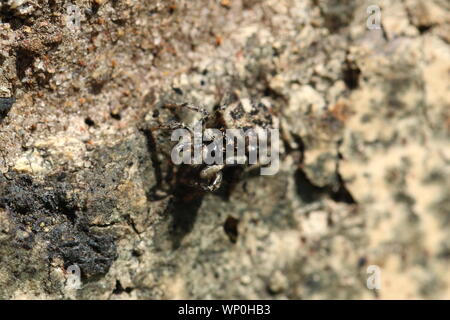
(205, 114)
(228, 98)
(190, 106)
(171, 125)
(216, 183)
(210, 171)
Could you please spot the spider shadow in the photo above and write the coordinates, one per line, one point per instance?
(183, 208)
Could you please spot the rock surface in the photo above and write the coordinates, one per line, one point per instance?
(364, 177)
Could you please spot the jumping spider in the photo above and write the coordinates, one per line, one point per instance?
(231, 113)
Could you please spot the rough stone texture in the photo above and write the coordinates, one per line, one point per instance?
(364, 178)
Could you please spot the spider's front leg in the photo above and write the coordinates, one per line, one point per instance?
(212, 174)
(195, 108)
(205, 114)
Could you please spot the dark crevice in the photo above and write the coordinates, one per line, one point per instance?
(8, 15)
(309, 192)
(342, 194)
(67, 209)
(120, 289)
(115, 116)
(89, 122)
(424, 28)
(131, 223)
(383, 31)
(97, 87)
(231, 228)
(299, 148)
(351, 75)
(5, 105)
(24, 59)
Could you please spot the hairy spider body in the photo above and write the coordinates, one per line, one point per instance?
(212, 127)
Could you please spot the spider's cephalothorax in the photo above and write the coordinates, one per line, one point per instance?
(213, 127)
